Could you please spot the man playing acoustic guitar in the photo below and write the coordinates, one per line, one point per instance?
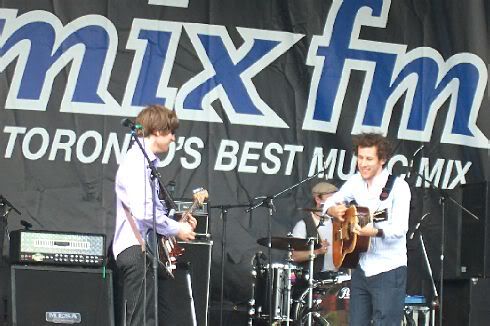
(378, 283)
(135, 215)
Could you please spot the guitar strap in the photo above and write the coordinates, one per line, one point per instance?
(136, 232)
(385, 192)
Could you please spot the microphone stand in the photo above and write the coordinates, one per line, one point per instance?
(154, 178)
(434, 302)
(5, 208)
(268, 202)
(224, 215)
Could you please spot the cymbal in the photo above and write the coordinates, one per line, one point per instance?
(310, 209)
(286, 243)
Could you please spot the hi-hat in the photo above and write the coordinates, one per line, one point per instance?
(310, 209)
(287, 243)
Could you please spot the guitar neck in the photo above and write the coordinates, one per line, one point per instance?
(187, 213)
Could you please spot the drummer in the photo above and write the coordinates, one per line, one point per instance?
(309, 227)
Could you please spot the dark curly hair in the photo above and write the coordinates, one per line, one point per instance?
(383, 145)
(155, 118)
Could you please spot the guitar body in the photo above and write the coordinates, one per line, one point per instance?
(346, 245)
(166, 261)
(168, 249)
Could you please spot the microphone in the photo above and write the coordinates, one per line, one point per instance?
(126, 122)
(410, 165)
(417, 226)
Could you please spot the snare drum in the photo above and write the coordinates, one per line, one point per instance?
(330, 302)
(279, 289)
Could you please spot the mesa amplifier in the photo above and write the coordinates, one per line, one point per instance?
(201, 215)
(57, 248)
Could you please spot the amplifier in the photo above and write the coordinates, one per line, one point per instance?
(201, 215)
(57, 248)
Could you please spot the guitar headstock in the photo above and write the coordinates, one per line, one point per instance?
(200, 195)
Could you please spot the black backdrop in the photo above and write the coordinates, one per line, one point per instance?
(286, 100)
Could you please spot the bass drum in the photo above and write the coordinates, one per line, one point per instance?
(330, 303)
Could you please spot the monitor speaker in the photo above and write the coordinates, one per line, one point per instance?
(43, 295)
(177, 303)
(466, 302)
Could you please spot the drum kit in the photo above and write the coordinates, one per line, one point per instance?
(286, 294)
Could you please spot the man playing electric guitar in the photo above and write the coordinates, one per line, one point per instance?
(378, 283)
(135, 216)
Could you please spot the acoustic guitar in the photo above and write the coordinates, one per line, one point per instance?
(168, 248)
(346, 245)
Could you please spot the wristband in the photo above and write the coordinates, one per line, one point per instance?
(380, 233)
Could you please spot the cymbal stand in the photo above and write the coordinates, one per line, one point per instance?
(310, 278)
(289, 285)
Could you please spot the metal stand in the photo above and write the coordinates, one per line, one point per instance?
(310, 279)
(224, 215)
(434, 302)
(288, 287)
(5, 208)
(191, 297)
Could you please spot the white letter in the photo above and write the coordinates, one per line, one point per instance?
(14, 131)
(57, 144)
(219, 166)
(274, 159)
(192, 152)
(97, 150)
(243, 167)
(44, 143)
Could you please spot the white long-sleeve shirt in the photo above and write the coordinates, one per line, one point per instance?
(325, 232)
(390, 251)
(133, 189)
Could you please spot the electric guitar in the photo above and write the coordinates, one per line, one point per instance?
(346, 245)
(168, 249)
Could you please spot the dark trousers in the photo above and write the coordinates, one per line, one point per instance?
(132, 266)
(380, 298)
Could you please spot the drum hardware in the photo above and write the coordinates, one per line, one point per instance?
(330, 302)
(311, 306)
(286, 243)
(311, 242)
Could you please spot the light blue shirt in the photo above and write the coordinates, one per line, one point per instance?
(133, 189)
(389, 252)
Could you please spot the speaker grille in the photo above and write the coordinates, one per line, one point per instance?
(46, 293)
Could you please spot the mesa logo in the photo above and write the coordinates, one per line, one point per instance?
(63, 317)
